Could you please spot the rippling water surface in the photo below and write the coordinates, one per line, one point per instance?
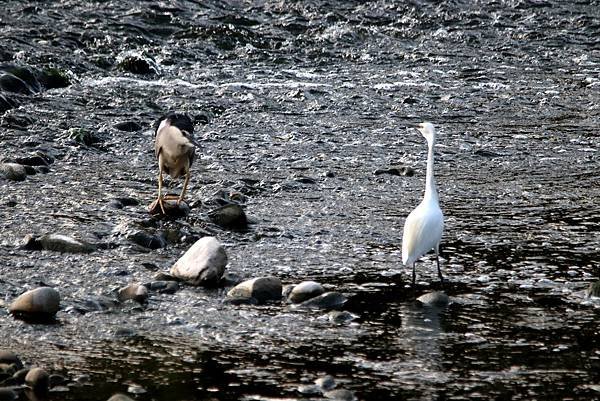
(297, 104)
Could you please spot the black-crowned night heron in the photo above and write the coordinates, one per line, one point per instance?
(424, 225)
(174, 146)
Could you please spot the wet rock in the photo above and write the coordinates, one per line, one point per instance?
(305, 290)
(340, 394)
(56, 380)
(13, 171)
(6, 103)
(19, 376)
(230, 279)
(309, 389)
(38, 380)
(65, 244)
(81, 136)
(10, 358)
(262, 289)
(161, 276)
(119, 397)
(136, 63)
(328, 300)
(286, 290)
(435, 298)
(134, 292)
(40, 302)
(136, 389)
(229, 216)
(35, 159)
(128, 126)
(52, 78)
(203, 264)
(164, 287)
(234, 300)
(7, 394)
(146, 240)
(401, 170)
(341, 317)
(326, 383)
(594, 289)
(171, 206)
(14, 84)
(120, 203)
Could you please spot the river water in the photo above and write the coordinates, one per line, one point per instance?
(296, 105)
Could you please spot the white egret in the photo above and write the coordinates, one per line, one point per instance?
(424, 225)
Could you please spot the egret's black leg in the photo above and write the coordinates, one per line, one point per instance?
(414, 275)
(437, 259)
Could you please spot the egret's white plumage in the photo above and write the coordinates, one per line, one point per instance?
(424, 225)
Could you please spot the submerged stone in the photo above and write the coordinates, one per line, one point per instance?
(203, 264)
(328, 300)
(10, 358)
(340, 394)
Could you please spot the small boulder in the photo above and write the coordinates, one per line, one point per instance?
(40, 302)
(134, 292)
(65, 244)
(203, 264)
(305, 290)
(435, 298)
(13, 171)
(340, 395)
(328, 300)
(229, 216)
(262, 289)
(10, 358)
(38, 380)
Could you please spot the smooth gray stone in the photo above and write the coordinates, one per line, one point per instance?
(328, 300)
(38, 380)
(203, 264)
(64, 243)
(304, 291)
(134, 292)
(13, 171)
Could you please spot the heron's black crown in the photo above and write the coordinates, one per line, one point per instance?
(181, 121)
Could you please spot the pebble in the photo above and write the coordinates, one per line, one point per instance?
(13, 171)
(134, 292)
(435, 298)
(328, 300)
(39, 302)
(229, 216)
(262, 289)
(203, 264)
(146, 240)
(10, 358)
(304, 291)
(119, 397)
(38, 380)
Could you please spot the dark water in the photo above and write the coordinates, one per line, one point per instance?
(328, 91)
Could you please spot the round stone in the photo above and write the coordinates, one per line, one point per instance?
(305, 290)
(43, 301)
(38, 380)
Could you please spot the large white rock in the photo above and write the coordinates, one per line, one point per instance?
(39, 301)
(203, 264)
(262, 289)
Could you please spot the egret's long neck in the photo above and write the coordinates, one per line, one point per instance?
(430, 187)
